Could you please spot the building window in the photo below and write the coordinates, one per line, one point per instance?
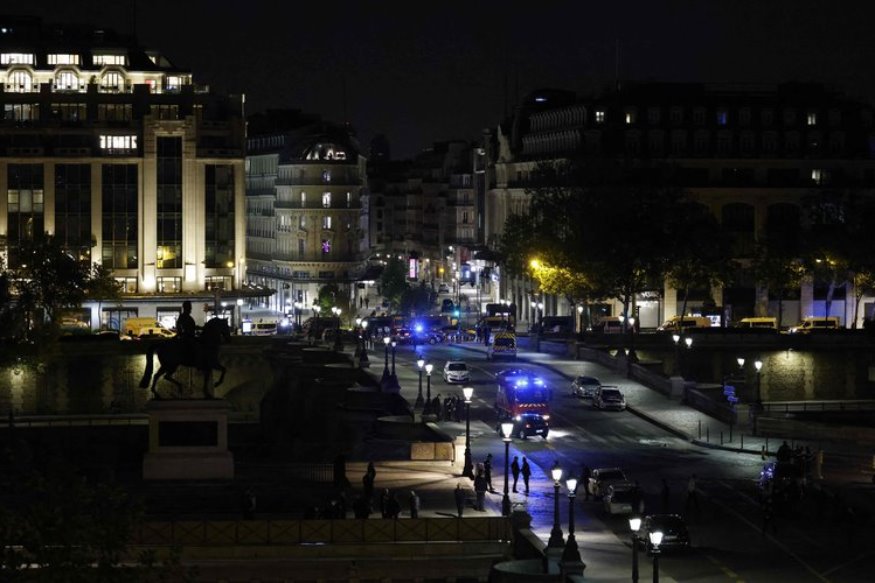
(302, 247)
(119, 219)
(789, 117)
(348, 199)
(16, 59)
(19, 82)
(326, 200)
(699, 116)
(20, 112)
(63, 59)
(744, 116)
(169, 203)
(722, 117)
(303, 199)
(768, 117)
(73, 206)
(115, 111)
(173, 83)
(630, 117)
(112, 82)
(101, 60)
(811, 118)
(66, 81)
(653, 115)
(303, 223)
(600, 117)
(220, 215)
(118, 144)
(817, 176)
(835, 117)
(326, 223)
(676, 116)
(25, 200)
(326, 176)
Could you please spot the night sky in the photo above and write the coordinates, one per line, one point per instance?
(424, 71)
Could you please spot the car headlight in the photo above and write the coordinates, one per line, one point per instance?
(545, 417)
(518, 418)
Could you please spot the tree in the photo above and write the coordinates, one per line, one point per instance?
(47, 279)
(417, 300)
(328, 297)
(102, 286)
(700, 251)
(827, 242)
(777, 271)
(393, 282)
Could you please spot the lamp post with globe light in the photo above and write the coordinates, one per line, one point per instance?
(677, 353)
(556, 541)
(428, 408)
(468, 469)
(689, 342)
(571, 554)
(634, 525)
(420, 363)
(506, 430)
(384, 380)
(758, 365)
(655, 541)
(364, 362)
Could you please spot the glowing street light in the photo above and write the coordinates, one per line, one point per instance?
(506, 430)
(468, 468)
(634, 526)
(556, 541)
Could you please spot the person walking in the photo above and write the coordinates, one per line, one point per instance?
(459, 495)
(413, 501)
(526, 471)
(487, 471)
(384, 503)
(368, 483)
(480, 489)
(584, 477)
(367, 303)
(515, 470)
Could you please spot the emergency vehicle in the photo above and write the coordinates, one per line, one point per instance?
(501, 345)
(523, 398)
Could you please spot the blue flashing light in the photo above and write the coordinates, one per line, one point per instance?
(456, 313)
(418, 328)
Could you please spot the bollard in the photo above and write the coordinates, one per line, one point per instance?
(708, 434)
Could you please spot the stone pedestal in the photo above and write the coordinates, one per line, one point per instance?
(188, 440)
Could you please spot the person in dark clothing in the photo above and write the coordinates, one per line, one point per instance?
(384, 503)
(186, 332)
(368, 483)
(413, 502)
(515, 470)
(480, 490)
(784, 453)
(393, 508)
(487, 472)
(584, 477)
(459, 495)
(526, 471)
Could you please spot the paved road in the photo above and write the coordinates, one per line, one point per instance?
(727, 531)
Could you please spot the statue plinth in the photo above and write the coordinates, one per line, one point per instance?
(188, 440)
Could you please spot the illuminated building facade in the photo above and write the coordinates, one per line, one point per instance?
(116, 152)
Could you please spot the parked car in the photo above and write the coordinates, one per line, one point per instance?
(621, 498)
(443, 288)
(608, 397)
(584, 387)
(528, 425)
(813, 324)
(456, 371)
(601, 478)
(674, 532)
(155, 332)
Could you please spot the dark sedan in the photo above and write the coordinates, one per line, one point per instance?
(673, 528)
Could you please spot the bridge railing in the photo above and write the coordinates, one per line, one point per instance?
(819, 406)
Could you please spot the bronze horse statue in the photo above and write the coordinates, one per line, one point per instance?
(201, 353)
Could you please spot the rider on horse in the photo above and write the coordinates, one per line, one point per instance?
(186, 331)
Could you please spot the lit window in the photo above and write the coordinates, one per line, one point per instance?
(326, 200)
(817, 176)
(173, 83)
(811, 118)
(600, 117)
(63, 59)
(110, 60)
(16, 59)
(722, 117)
(303, 223)
(348, 199)
(326, 223)
(326, 176)
(630, 118)
(118, 144)
(303, 199)
(66, 81)
(19, 82)
(112, 82)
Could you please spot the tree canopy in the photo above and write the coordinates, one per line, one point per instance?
(393, 282)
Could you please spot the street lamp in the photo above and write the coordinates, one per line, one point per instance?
(677, 353)
(358, 338)
(689, 342)
(428, 408)
(420, 362)
(338, 344)
(364, 362)
(384, 380)
(571, 554)
(468, 469)
(758, 364)
(556, 541)
(540, 306)
(506, 430)
(634, 525)
(393, 378)
(740, 362)
(632, 338)
(655, 541)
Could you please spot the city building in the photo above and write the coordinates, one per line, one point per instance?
(751, 154)
(116, 152)
(306, 209)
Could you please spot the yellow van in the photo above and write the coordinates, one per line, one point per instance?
(759, 323)
(813, 323)
(676, 324)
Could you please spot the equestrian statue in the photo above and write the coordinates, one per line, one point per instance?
(188, 349)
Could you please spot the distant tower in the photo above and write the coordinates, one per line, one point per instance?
(380, 150)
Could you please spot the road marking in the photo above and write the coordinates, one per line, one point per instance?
(726, 570)
(775, 541)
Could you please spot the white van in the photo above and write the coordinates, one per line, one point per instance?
(760, 323)
(813, 323)
(610, 325)
(688, 322)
